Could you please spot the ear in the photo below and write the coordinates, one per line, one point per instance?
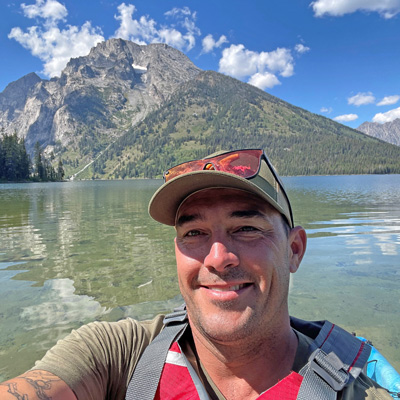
(298, 243)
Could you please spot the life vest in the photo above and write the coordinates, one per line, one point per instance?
(336, 359)
(179, 381)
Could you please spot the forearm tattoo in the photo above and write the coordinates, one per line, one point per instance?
(40, 381)
(12, 388)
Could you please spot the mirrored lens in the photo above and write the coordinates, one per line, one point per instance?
(244, 163)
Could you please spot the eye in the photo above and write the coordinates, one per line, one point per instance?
(193, 233)
(247, 229)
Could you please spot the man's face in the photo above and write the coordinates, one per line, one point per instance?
(234, 258)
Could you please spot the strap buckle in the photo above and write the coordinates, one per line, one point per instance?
(179, 315)
(330, 368)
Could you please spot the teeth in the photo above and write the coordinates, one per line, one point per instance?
(228, 289)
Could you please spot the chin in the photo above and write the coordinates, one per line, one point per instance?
(224, 327)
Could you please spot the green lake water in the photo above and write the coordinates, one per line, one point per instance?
(75, 252)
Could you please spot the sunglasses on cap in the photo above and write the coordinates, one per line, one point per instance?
(243, 163)
(248, 169)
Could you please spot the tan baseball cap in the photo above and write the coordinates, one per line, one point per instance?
(195, 176)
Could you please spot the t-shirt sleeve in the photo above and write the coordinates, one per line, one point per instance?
(97, 360)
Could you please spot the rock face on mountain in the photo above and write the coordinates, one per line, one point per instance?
(96, 98)
(389, 131)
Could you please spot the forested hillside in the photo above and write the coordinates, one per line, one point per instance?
(214, 112)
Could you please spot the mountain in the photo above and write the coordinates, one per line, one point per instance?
(213, 112)
(389, 131)
(126, 110)
(96, 98)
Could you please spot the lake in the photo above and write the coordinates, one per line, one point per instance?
(75, 252)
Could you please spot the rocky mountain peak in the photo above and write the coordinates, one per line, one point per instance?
(102, 94)
(388, 132)
(127, 60)
(15, 94)
(22, 85)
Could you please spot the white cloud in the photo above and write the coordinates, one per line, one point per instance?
(388, 116)
(50, 10)
(300, 48)
(177, 11)
(389, 100)
(140, 31)
(145, 30)
(209, 44)
(186, 19)
(386, 8)
(240, 63)
(175, 38)
(55, 46)
(326, 110)
(361, 99)
(346, 117)
(264, 80)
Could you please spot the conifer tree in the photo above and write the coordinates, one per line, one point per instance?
(2, 156)
(60, 171)
(39, 168)
(14, 160)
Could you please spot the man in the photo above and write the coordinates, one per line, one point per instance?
(236, 246)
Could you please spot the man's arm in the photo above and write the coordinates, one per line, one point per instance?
(36, 385)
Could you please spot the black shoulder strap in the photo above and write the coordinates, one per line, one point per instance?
(145, 379)
(337, 358)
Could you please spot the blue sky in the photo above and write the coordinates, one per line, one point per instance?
(337, 58)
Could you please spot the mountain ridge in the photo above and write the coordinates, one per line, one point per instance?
(127, 110)
(214, 112)
(388, 131)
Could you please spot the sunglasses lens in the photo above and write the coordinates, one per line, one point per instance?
(184, 168)
(244, 163)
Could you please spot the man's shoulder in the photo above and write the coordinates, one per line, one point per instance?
(127, 329)
(97, 347)
(150, 326)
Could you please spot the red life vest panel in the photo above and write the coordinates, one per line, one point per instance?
(177, 382)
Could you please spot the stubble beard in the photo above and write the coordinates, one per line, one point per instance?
(218, 327)
(250, 326)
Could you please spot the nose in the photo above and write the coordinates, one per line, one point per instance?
(220, 257)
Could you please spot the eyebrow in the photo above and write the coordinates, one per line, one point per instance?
(183, 219)
(247, 214)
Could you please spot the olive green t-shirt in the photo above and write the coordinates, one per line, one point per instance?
(98, 359)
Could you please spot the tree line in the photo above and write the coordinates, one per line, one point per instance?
(16, 164)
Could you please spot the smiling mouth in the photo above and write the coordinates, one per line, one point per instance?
(228, 288)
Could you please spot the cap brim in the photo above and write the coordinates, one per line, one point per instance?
(167, 199)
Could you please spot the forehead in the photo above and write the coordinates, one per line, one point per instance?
(211, 199)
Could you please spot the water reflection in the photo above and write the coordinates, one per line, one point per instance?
(61, 306)
(99, 236)
(75, 252)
